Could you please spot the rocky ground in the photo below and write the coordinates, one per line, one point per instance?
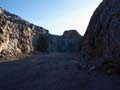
(55, 71)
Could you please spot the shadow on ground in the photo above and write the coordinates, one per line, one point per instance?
(56, 71)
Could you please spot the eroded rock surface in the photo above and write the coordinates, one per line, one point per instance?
(17, 35)
(103, 33)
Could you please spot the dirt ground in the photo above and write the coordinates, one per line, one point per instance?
(55, 71)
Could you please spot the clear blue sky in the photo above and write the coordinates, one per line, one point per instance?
(55, 15)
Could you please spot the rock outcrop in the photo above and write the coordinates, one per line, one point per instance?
(70, 41)
(103, 33)
(18, 37)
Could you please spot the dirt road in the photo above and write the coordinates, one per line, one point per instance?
(58, 71)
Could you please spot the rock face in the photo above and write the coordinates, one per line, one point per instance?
(103, 33)
(18, 36)
(70, 41)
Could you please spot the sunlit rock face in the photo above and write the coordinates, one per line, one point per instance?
(103, 33)
(17, 35)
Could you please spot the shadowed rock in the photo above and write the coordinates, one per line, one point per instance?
(103, 33)
(70, 41)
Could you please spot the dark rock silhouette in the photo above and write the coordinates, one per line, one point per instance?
(101, 42)
(103, 33)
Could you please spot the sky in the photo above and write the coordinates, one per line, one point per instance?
(54, 15)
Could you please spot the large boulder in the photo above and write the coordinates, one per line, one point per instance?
(71, 34)
(103, 33)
